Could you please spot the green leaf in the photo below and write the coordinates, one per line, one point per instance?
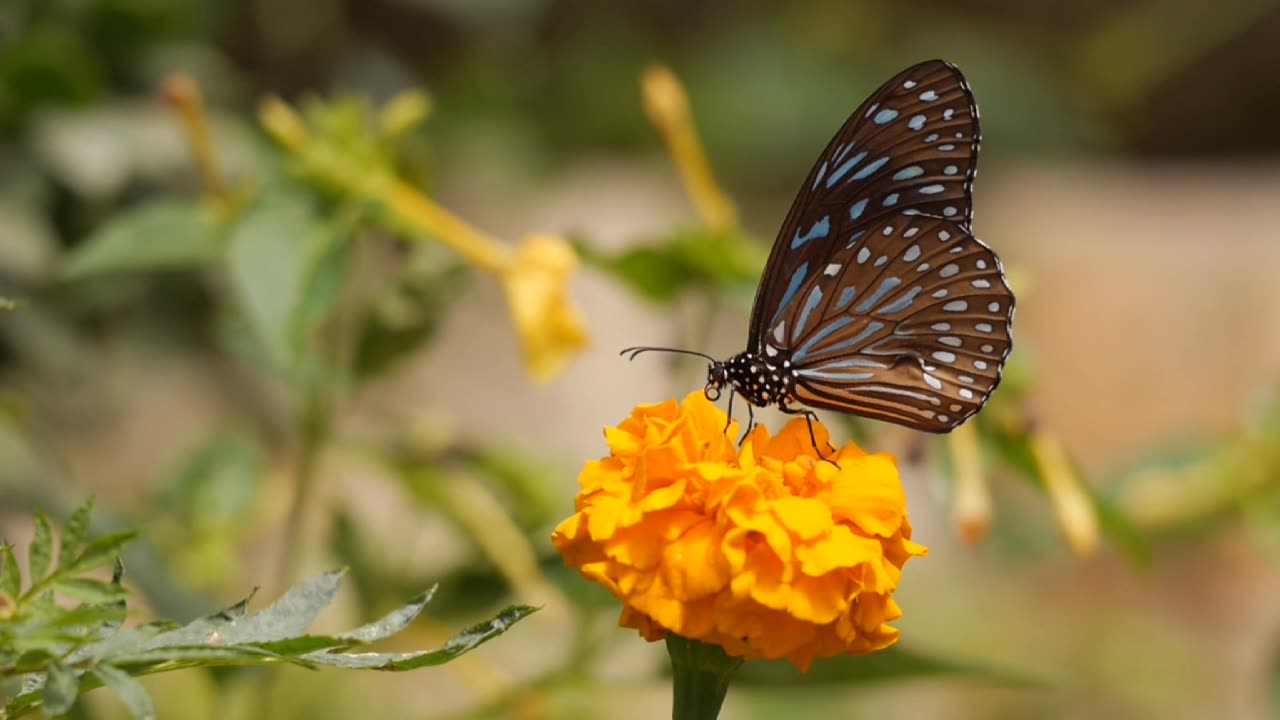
(100, 551)
(88, 590)
(171, 657)
(217, 483)
(10, 573)
(129, 690)
(895, 663)
(409, 315)
(398, 662)
(275, 249)
(687, 259)
(75, 534)
(61, 686)
(40, 554)
(288, 617)
(162, 236)
(391, 623)
(296, 646)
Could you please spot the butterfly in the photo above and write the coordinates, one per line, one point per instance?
(877, 300)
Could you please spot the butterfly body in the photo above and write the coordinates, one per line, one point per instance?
(877, 300)
(759, 381)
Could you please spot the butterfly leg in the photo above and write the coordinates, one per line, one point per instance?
(751, 423)
(729, 419)
(813, 438)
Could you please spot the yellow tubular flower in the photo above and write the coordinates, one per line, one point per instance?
(1071, 502)
(535, 275)
(972, 510)
(667, 105)
(766, 551)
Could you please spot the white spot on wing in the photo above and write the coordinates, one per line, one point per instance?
(944, 356)
(912, 253)
(933, 382)
(949, 269)
(832, 269)
(956, 306)
(951, 341)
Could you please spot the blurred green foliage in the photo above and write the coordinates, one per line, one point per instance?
(50, 653)
(287, 294)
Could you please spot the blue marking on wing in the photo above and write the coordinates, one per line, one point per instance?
(842, 151)
(846, 167)
(885, 116)
(846, 297)
(856, 362)
(890, 199)
(885, 286)
(821, 172)
(836, 376)
(865, 172)
(908, 172)
(872, 328)
(854, 237)
(831, 327)
(855, 210)
(820, 229)
(903, 302)
(797, 279)
(815, 297)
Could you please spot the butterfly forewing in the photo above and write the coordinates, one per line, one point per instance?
(911, 147)
(909, 322)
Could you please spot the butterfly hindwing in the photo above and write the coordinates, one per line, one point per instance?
(909, 322)
(910, 147)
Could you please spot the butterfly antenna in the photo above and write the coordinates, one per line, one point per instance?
(632, 352)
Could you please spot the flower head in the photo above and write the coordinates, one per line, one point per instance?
(551, 329)
(766, 551)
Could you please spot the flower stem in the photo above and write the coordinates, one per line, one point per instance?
(313, 426)
(182, 93)
(701, 675)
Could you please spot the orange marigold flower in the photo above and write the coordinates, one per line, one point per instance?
(766, 551)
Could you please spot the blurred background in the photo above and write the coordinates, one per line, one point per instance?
(274, 367)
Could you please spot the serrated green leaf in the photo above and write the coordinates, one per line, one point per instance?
(61, 686)
(894, 664)
(155, 659)
(100, 551)
(463, 643)
(162, 236)
(290, 616)
(10, 573)
(86, 617)
(392, 622)
(76, 534)
(128, 641)
(135, 697)
(301, 645)
(88, 590)
(202, 630)
(40, 554)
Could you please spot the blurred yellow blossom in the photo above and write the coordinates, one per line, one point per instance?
(766, 551)
(535, 275)
(667, 106)
(536, 282)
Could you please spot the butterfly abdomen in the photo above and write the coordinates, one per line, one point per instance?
(760, 382)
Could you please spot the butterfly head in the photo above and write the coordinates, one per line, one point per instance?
(717, 378)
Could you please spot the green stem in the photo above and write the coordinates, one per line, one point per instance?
(701, 675)
(314, 423)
